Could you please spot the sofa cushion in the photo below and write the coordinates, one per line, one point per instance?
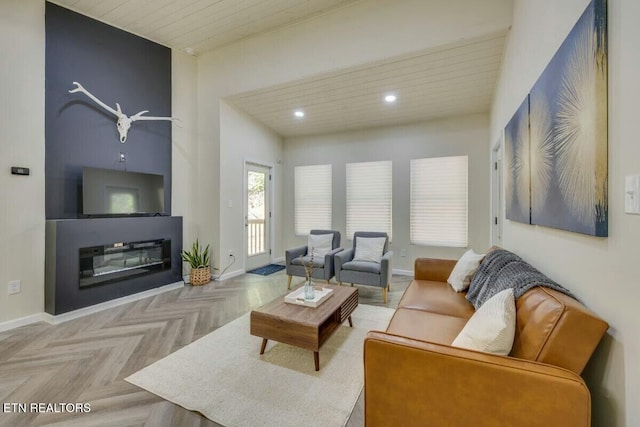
(369, 249)
(319, 244)
(437, 270)
(425, 326)
(318, 262)
(492, 327)
(465, 268)
(553, 328)
(436, 297)
(364, 266)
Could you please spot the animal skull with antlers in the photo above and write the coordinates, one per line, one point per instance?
(124, 121)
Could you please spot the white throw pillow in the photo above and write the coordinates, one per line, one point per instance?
(466, 267)
(318, 245)
(492, 327)
(369, 249)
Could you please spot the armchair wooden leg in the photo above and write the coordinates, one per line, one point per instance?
(352, 285)
(328, 281)
(384, 295)
(289, 282)
(389, 286)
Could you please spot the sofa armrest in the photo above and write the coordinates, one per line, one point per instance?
(385, 267)
(329, 263)
(437, 270)
(291, 254)
(411, 382)
(341, 258)
(332, 253)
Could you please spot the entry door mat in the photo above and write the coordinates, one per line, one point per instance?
(267, 269)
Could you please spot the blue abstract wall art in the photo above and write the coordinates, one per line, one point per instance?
(568, 136)
(516, 148)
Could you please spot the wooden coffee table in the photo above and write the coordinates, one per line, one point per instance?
(304, 327)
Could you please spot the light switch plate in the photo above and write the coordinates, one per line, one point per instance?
(14, 287)
(632, 194)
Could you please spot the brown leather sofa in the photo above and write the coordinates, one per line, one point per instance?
(414, 377)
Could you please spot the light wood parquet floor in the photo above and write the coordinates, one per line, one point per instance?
(86, 360)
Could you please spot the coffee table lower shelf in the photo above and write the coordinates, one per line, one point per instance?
(304, 327)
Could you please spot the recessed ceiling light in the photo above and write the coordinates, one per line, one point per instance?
(390, 98)
(298, 113)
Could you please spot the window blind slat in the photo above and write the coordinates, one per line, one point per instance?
(439, 201)
(312, 198)
(369, 197)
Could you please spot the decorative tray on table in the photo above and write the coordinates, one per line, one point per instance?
(297, 297)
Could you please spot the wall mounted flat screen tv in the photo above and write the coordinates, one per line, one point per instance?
(107, 192)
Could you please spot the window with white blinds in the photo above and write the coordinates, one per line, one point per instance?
(312, 199)
(439, 207)
(369, 198)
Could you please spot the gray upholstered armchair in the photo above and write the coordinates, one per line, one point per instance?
(322, 268)
(364, 272)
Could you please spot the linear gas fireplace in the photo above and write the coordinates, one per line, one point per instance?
(119, 261)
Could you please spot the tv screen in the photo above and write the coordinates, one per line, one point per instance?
(114, 192)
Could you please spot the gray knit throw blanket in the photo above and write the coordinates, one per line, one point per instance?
(501, 270)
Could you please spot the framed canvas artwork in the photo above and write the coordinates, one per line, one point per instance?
(568, 135)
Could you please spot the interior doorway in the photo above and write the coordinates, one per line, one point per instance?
(258, 183)
(497, 192)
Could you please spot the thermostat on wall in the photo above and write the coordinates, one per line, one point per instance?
(16, 170)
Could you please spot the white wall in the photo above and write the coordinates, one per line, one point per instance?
(467, 135)
(184, 149)
(22, 215)
(600, 271)
(349, 36)
(244, 139)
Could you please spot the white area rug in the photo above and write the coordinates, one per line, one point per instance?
(223, 376)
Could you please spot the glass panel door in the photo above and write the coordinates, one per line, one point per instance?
(257, 216)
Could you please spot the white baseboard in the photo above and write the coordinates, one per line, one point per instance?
(230, 275)
(55, 320)
(61, 318)
(402, 272)
(23, 321)
(280, 259)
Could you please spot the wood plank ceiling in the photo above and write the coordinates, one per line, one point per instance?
(199, 24)
(442, 82)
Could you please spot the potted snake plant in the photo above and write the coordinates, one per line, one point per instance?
(198, 259)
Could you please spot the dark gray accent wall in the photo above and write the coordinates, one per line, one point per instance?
(115, 66)
(64, 238)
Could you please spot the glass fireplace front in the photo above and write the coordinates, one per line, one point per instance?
(119, 261)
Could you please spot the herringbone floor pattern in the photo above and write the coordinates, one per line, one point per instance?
(86, 360)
